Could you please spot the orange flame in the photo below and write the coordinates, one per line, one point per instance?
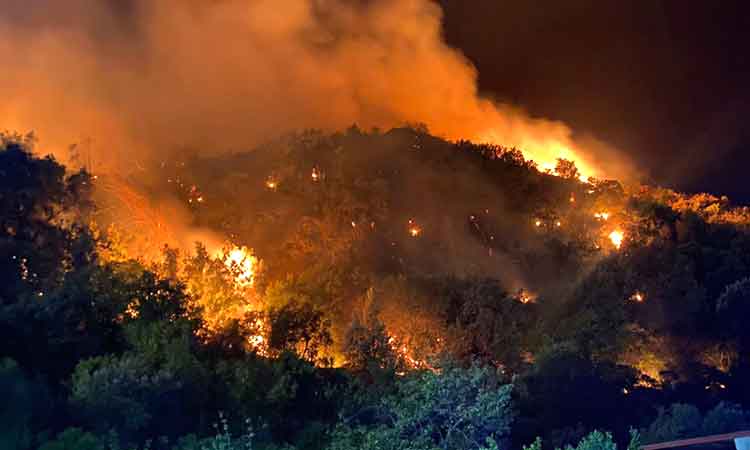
(617, 238)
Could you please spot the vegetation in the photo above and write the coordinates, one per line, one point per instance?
(403, 292)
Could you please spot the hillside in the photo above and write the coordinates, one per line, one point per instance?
(357, 275)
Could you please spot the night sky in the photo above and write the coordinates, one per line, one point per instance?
(665, 80)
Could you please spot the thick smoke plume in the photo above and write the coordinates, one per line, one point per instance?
(138, 78)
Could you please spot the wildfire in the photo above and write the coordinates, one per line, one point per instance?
(135, 211)
(257, 341)
(315, 175)
(602, 215)
(414, 229)
(638, 297)
(617, 237)
(525, 296)
(404, 353)
(272, 183)
(195, 195)
(241, 262)
(550, 168)
(538, 223)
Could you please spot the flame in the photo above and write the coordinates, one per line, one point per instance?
(414, 229)
(241, 262)
(258, 342)
(272, 183)
(602, 215)
(538, 223)
(405, 354)
(617, 237)
(134, 210)
(548, 163)
(525, 296)
(638, 297)
(315, 175)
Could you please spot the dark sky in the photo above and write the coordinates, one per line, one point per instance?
(666, 80)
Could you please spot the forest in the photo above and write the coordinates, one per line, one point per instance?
(363, 290)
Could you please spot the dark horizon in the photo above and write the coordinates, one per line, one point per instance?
(666, 81)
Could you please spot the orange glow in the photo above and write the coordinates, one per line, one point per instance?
(617, 238)
(414, 229)
(638, 297)
(602, 215)
(272, 183)
(550, 156)
(257, 342)
(405, 355)
(525, 296)
(241, 262)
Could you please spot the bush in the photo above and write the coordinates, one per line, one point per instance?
(74, 439)
(678, 421)
(456, 408)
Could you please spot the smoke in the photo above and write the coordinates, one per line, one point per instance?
(141, 79)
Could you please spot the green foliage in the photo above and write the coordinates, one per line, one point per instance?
(725, 417)
(221, 440)
(367, 346)
(42, 217)
(300, 328)
(74, 439)
(114, 392)
(681, 421)
(733, 306)
(676, 422)
(488, 323)
(138, 395)
(210, 282)
(118, 348)
(16, 412)
(595, 441)
(454, 409)
(536, 445)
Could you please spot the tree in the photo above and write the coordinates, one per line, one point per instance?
(300, 328)
(74, 439)
(681, 421)
(676, 422)
(566, 394)
(42, 220)
(457, 408)
(135, 398)
(733, 306)
(367, 347)
(211, 284)
(567, 169)
(725, 417)
(24, 403)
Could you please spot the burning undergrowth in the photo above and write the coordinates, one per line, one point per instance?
(334, 218)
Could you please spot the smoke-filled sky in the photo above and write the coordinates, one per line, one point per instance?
(661, 82)
(139, 78)
(668, 80)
